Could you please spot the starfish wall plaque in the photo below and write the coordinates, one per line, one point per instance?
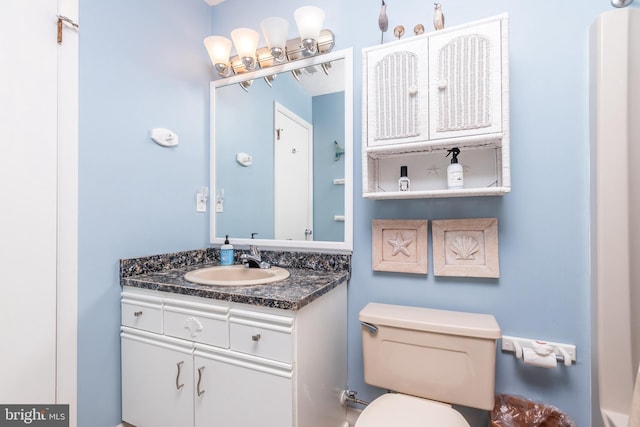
(400, 246)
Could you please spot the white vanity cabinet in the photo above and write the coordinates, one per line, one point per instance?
(427, 94)
(216, 363)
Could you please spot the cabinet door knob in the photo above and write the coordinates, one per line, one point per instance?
(137, 313)
(178, 385)
(256, 337)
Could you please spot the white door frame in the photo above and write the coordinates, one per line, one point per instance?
(67, 266)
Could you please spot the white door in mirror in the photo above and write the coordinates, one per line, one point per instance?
(164, 137)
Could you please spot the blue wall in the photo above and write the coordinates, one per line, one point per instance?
(143, 65)
(328, 127)
(543, 291)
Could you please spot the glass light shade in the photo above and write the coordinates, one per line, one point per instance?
(275, 31)
(219, 49)
(309, 20)
(246, 42)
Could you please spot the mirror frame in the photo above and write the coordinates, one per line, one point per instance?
(345, 246)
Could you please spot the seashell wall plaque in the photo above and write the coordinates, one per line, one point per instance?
(466, 247)
(399, 245)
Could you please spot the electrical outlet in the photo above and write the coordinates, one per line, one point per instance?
(219, 206)
(201, 202)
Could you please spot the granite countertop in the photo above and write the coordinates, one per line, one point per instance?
(311, 276)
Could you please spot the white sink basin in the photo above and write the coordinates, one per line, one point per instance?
(236, 275)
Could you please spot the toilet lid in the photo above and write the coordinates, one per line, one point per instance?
(394, 409)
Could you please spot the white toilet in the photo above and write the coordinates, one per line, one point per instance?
(429, 359)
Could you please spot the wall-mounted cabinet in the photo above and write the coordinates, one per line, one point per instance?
(427, 94)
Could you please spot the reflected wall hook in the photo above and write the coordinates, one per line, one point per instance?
(339, 150)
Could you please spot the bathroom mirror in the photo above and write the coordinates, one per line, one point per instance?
(282, 156)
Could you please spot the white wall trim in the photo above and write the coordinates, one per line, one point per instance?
(67, 240)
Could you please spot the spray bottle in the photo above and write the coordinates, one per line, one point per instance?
(455, 179)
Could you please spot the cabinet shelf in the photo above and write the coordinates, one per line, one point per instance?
(465, 192)
(485, 163)
(475, 142)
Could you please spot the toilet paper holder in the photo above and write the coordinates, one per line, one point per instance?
(564, 353)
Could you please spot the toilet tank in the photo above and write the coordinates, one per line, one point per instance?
(441, 355)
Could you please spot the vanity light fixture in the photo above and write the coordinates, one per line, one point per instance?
(276, 31)
(309, 20)
(296, 74)
(312, 41)
(246, 42)
(219, 48)
(270, 79)
(325, 67)
(246, 84)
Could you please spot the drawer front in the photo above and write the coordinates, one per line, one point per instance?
(142, 315)
(261, 339)
(198, 326)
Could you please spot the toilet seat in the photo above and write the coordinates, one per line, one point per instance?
(393, 409)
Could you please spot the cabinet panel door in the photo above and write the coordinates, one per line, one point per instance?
(396, 93)
(465, 81)
(157, 383)
(238, 393)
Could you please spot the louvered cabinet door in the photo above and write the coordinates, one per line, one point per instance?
(396, 93)
(465, 81)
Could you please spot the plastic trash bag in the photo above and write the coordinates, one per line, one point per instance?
(514, 411)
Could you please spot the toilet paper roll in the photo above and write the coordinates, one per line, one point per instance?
(532, 358)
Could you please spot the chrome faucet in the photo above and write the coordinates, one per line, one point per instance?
(253, 259)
